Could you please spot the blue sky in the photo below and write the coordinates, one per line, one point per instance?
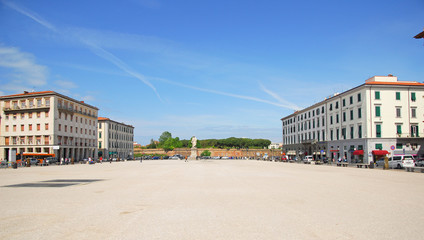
(213, 69)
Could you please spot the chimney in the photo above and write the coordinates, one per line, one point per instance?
(25, 92)
(82, 101)
(390, 75)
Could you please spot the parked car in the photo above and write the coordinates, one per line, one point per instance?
(51, 160)
(284, 159)
(308, 159)
(379, 162)
(401, 161)
(419, 162)
(33, 161)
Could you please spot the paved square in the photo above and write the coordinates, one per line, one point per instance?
(209, 200)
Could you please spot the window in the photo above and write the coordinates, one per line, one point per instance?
(30, 127)
(344, 133)
(30, 115)
(359, 113)
(338, 134)
(66, 128)
(22, 128)
(46, 126)
(6, 129)
(344, 116)
(377, 111)
(351, 132)
(397, 95)
(22, 115)
(38, 127)
(351, 100)
(359, 97)
(331, 107)
(399, 129)
(337, 118)
(398, 112)
(413, 97)
(359, 131)
(14, 128)
(46, 114)
(344, 102)
(331, 119)
(378, 130)
(60, 127)
(322, 110)
(379, 146)
(399, 146)
(337, 105)
(414, 131)
(331, 134)
(351, 114)
(38, 114)
(321, 122)
(100, 144)
(413, 113)
(377, 95)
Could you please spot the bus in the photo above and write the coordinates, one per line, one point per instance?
(39, 156)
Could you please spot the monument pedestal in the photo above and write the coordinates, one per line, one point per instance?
(193, 154)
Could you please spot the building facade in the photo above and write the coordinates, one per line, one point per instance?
(48, 122)
(381, 117)
(116, 140)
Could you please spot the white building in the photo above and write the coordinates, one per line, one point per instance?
(361, 124)
(47, 122)
(116, 140)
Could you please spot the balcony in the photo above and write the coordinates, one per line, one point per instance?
(25, 108)
(407, 135)
(71, 110)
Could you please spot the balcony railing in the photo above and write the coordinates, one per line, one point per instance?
(22, 108)
(72, 110)
(407, 135)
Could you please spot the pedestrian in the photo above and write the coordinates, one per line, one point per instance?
(186, 159)
(141, 160)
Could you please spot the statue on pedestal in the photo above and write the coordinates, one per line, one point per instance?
(193, 155)
(193, 142)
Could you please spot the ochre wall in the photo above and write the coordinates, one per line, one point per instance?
(214, 152)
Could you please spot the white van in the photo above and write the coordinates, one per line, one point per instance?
(308, 159)
(401, 161)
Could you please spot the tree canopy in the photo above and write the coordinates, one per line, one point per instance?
(168, 143)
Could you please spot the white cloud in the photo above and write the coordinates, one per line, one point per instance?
(95, 48)
(21, 70)
(34, 16)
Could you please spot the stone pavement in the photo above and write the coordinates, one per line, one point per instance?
(213, 199)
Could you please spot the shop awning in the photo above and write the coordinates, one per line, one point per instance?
(334, 150)
(379, 152)
(358, 152)
(291, 152)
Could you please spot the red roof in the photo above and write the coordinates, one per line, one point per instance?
(396, 83)
(102, 119)
(28, 93)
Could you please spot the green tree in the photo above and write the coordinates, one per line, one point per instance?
(152, 144)
(206, 153)
(165, 136)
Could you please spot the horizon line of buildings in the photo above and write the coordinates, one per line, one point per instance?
(381, 117)
(48, 122)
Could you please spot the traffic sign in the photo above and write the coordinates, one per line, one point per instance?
(392, 147)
